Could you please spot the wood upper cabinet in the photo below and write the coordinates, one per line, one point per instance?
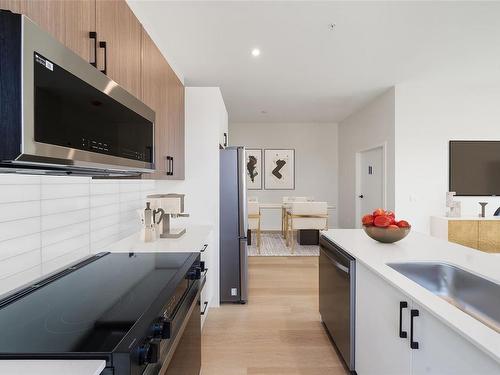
(175, 127)
(67, 21)
(118, 27)
(154, 93)
(164, 93)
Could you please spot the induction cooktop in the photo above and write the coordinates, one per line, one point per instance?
(92, 306)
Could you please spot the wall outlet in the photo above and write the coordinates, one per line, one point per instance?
(234, 291)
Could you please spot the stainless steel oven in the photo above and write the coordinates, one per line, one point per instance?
(60, 112)
(337, 285)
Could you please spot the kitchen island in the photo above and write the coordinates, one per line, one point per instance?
(448, 336)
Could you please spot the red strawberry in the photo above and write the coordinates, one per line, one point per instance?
(367, 220)
(403, 224)
(382, 221)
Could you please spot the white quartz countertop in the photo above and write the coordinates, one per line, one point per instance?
(191, 241)
(487, 218)
(421, 247)
(51, 367)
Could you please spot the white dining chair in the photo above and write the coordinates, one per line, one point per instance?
(305, 215)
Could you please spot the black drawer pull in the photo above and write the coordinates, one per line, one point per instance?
(402, 305)
(204, 248)
(104, 46)
(413, 314)
(93, 35)
(205, 304)
(225, 139)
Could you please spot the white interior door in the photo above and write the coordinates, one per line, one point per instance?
(371, 180)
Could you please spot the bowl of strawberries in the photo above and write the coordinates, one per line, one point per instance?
(383, 227)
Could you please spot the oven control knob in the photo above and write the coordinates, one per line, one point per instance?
(161, 329)
(194, 273)
(148, 353)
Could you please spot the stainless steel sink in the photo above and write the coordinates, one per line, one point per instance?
(473, 294)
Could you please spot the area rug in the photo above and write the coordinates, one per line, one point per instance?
(273, 244)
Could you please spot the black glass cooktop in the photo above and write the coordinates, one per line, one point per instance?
(91, 308)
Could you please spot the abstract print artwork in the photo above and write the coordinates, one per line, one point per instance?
(279, 169)
(253, 166)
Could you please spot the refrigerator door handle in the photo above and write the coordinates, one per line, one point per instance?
(243, 271)
(242, 193)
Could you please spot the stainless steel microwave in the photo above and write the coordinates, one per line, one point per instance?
(60, 114)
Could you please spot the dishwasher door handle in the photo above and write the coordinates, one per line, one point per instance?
(339, 266)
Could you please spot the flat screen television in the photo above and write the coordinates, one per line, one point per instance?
(475, 168)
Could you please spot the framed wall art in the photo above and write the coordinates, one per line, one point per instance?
(279, 165)
(253, 166)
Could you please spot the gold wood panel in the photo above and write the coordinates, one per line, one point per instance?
(489, 236)
(464, 232)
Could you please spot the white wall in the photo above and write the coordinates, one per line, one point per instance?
(369, 127)
(316, 164)
(427, 118)
(49, 222)
(204, 112)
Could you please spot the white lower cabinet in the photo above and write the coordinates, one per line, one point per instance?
(442, 351)
(383, 344)
(207, 292)
(379, 349)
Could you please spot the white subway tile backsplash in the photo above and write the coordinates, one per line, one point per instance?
(19, 193)
(47, 222)
(52, 236)
(18, 179)
(64, 247)
(18, 228)
(64, 218)
(19, 263)
(57, 191)
(19, 245)
(19, 210)
(104, 200)
(54, 206)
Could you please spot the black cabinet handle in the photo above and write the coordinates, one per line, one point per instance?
(103, 46)
(93, 35)
(204, 248)
(402, 305)
(172, 167)
(225, 139)
(205, 307)
(169, 166)
(413, 314)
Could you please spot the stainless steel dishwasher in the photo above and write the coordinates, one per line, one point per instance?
(337, 284)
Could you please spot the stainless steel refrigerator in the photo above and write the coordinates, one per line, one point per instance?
(233, 226)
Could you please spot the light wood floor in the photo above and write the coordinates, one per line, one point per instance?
(278, 332)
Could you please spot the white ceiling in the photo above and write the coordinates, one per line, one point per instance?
(308, 73)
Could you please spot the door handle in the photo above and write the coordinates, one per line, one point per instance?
(169, 167)
(225, 139)
(204, 248)
(413, 314)
(93, 35)
(402, 305)
(103, 45)
(205, 307)
(339, 266)
(361, 196)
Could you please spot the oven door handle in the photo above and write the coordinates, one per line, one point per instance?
(180, 332)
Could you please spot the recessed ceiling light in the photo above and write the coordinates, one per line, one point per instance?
(255, 52)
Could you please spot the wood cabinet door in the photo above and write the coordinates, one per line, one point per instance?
(379, 348)
(154, 77)
(176, 140)
(119, 28)
(464, 232)
(442, 351)
(68, 21)
(489, 236)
